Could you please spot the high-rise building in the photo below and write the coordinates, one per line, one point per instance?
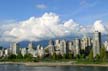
(96, 43)
(23, 51)
(35, 53)
(51, 42)
(51, 47)
(6, 51)
(106, 45)
(1, 51)
(84, 43)
(40, 51)
(77, 47)
(14, 48)
(30, 48)
(57, 42)
(89, 42)
(71, 47)
(57, 47)
(63, 47)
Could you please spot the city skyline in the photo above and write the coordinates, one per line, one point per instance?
(78, 46)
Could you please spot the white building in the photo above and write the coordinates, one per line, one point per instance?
(106, 45)
(6, 51)
(84, 43)
(96, 43)
(77, 47)
(63, 47)
(23, 51)
(1, 52)
(40, 51)
(14, 48)
(71, 47)
(51, 47)
(57, 47)
(30, 49)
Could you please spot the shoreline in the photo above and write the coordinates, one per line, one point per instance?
(51, 64)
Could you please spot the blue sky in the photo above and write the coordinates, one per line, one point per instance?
(86, 16)
(82, 11)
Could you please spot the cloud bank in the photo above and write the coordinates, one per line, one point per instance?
(47, 26)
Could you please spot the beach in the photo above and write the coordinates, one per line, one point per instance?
(53, 64)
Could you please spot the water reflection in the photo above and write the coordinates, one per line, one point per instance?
(9, 67)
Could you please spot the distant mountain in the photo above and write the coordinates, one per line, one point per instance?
(45, 42)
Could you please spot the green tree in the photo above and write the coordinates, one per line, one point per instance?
(54, 56)
(103, 55)
(97, 58)
(35, 59)
(77, 57)
(28, 57)
(81, 56)
(70, 56)
(64, 56)
(12, 56)
(19, 56)
(90, 57)
(106, 55)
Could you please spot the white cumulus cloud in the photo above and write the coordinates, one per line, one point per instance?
(98, 26)
(47, 26)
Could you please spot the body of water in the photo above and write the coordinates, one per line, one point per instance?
(8, 67)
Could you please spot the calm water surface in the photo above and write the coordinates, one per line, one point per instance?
(8, 67)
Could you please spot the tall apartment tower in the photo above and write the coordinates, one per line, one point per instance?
(96, 43)
(30, 48)
(57, 46)
(1, 52)
(14, 48)
(84, 43)
(63, 47)
(40, 51)
(23, 51)
(71, 47)
(51, 47)
(77, 47)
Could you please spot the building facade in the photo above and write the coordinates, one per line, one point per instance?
(14, 49)
(96, 43)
